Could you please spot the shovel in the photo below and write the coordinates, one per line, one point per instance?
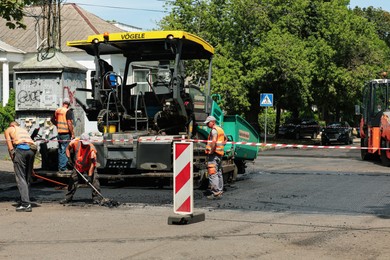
(104, 202)
(50, 180)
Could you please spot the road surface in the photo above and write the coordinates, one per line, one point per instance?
(291, 204)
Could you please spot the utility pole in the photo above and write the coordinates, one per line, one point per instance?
(50, 32)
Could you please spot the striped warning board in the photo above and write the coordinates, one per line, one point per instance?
(183, 199)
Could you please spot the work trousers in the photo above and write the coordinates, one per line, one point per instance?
(63, 142)
(74, 181)
(23, 166)
(216, 179)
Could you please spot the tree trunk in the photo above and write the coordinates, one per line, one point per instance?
(277, 123)
(252, 116)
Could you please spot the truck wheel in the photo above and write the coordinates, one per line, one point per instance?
(240, 164)
(385, 161)
(202, 183)
(233, 175)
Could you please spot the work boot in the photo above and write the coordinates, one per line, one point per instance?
(215, 196)
(65, 201)
(96, 201)
(24, 208)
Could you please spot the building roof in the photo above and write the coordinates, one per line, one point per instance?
(76, 24)
(8, 48)
(59, 61)
(126, 27)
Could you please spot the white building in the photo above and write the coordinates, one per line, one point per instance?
(17, 45)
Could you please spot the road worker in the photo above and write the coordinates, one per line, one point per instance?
(22, 151)
(215, 151)
(83, 162)
(63, 120)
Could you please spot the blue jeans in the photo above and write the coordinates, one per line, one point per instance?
(63, 142)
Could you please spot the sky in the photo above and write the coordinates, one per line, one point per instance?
(139, 13)
(145, 13)
(384, 4)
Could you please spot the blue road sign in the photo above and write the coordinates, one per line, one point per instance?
(266, 100)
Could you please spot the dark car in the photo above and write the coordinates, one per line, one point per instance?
(337, 132)
(298, 128)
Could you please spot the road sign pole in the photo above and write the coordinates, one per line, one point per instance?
(266, 100)
(265, 125)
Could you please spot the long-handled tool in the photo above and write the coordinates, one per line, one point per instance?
(104, 201)
(50, 180)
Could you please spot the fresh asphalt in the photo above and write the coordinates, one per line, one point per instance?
(282, 180)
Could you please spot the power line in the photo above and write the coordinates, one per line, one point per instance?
(120, 7)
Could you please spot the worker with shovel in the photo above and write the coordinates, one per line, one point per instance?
(83, 164)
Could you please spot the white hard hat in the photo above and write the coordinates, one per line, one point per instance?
(84, 138)
(209, 119)
(66, 101)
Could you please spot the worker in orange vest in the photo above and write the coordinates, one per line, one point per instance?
(63, 120)
(215, 150)
(22, 151)
(84, 162)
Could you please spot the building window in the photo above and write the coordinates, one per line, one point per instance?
(140, 77)
(11, 80)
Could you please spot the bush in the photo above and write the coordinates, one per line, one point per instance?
(271, 119)
(7, 113)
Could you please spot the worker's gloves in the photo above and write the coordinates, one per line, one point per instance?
(88, 178)
(69, 165)
(12, 154)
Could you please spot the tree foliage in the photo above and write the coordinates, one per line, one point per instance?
(380, 19)
(306, 52)
(7, 113)
(12, 11)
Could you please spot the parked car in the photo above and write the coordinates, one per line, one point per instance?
(337, 132)
(298, 128)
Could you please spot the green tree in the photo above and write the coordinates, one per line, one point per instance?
(306, 52)
(380, 18)
(346, 52)
(7, 113)
(12, 11)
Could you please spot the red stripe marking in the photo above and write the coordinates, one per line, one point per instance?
(182, 178)
(241, 143)
(180, 147)
(85, 18)
(186, 206)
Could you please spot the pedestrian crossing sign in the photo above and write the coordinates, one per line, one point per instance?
(266, 100)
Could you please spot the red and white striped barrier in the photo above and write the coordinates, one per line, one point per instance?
(170, 139)
(183, 197)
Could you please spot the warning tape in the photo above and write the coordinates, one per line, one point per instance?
(151, 139)
(318, 126)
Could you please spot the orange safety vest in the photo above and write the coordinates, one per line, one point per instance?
(220, 138)
(84, 155)
(62, 125)
(21, 136)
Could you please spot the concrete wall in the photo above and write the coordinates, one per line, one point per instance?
(38, 95)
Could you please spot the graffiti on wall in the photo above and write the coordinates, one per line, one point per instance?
(37, 91)
(29, 96)
(70, 94)
(46, 91)
(42, 92)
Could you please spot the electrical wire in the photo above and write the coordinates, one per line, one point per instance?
(121, 7)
